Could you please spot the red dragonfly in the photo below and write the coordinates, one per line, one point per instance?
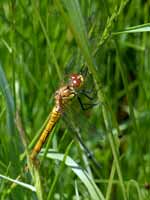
(62, 97)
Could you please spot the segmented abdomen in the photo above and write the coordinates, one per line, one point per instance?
(54, 117)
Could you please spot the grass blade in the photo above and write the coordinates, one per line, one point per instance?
(135, 29)
(86, 179)
(9, 100)
(25, 185)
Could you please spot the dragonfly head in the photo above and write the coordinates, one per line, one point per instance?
(76, 80)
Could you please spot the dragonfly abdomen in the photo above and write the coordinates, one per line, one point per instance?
(54, 117)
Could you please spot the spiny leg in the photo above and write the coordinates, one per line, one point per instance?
(84, 71)
(86, 95)
(86, 106)
(90, 154)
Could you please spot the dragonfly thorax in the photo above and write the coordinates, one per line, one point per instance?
(63, 96)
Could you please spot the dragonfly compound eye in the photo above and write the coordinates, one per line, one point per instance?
(76, 80)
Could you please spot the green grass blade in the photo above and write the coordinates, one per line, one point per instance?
(9, 100)
(86, 179)
(25, 185)
(133, 183)
(74, 20)
(135, 29)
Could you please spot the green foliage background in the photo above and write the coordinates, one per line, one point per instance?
(41, 41)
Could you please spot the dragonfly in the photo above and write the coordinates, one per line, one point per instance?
(63, 96)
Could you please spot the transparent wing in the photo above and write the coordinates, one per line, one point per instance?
(79, 117)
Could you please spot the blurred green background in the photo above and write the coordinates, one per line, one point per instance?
(41, 42)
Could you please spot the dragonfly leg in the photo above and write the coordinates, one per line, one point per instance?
(86, 106)
(90, 91)
(87, 91)
(90, 154)
(84, 71)
(86, 95)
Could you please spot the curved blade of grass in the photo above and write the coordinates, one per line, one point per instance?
(135, 29)
(133, 183)
(25, 185)
(75, 21)
(77, 191)
(86, 179)
(4, 86)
